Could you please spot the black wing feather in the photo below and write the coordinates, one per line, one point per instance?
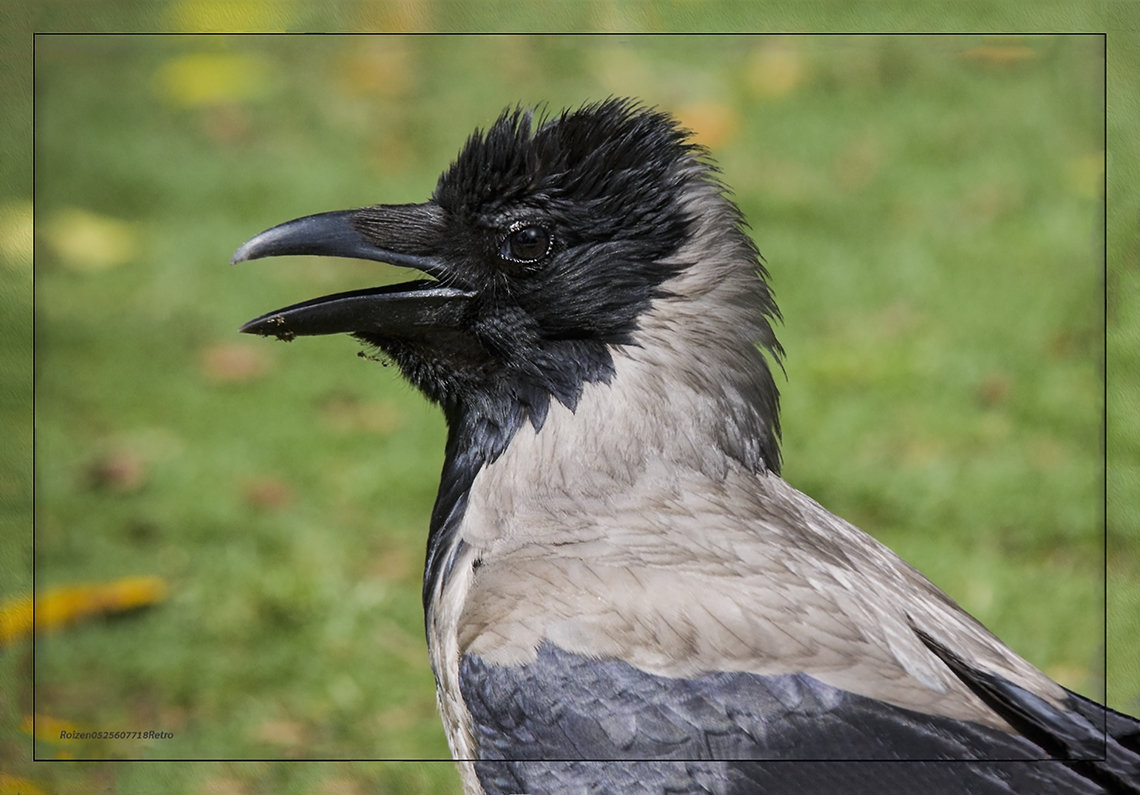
(556, 724)
(1097, 742)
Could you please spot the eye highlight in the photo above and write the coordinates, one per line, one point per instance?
(526, 243)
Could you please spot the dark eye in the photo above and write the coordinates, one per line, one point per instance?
(526, 243)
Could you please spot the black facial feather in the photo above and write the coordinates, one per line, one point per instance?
(565, 229)
(599, 188)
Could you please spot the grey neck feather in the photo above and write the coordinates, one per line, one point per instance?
(705, 373)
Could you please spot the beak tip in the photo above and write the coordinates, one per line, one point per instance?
(269, 326)
(244, 252)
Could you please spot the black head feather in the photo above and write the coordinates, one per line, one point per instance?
(605, 183)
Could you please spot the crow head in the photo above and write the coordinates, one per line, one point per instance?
(554, 245)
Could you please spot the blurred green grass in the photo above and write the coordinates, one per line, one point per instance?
(929, 209)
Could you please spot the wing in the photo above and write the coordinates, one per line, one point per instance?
(749, 641)
(1101, 744)
(536, 724)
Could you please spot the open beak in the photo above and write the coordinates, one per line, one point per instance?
(399, 234)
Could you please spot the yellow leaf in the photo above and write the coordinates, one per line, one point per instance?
(14, 785)
(204, 79)
(1086, 175)
(47, 729)
(15, 618)
(58, 607)
(16, 232)
(229, 16)
(775, 70)
(87, 241)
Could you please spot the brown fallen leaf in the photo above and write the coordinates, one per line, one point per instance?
(234, 363)
(994, 389)
(267, 493)
(347, 413)
(227, 124)
(282, 732)
(119, 472)
(713, 123)
(999, 55)
(377, 68)
(225, 785)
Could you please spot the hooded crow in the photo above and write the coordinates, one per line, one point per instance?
(621, 593)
